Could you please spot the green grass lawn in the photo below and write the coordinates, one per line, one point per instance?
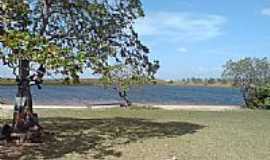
(149, 134)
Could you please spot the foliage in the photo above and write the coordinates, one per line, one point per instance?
(252, 75)
(68, 37)
(211, 81)
(122, 77)
(263, 96)
(23, 43)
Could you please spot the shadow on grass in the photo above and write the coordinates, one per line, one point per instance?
(96, 137)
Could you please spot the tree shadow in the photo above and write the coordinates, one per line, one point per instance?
(96, 137)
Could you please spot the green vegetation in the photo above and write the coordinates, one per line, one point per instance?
(253, 77)
(68, 38)
(198, 82)
(150, 134)
(122, 77)
(183, 82)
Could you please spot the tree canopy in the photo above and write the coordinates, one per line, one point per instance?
(69, 37)
(252, 75)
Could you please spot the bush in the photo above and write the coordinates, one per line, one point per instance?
(258, 98)
(263, 97)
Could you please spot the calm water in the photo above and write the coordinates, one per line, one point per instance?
(76, 95)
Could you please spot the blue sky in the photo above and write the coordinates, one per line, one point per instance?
(193, 38)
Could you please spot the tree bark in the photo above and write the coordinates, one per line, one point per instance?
(24, 91)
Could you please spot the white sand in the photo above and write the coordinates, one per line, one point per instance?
(166, 107)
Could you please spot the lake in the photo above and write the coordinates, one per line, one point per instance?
(153, 94)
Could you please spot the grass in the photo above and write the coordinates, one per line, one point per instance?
(150, 134)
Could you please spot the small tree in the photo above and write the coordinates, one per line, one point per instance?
(122, 77)
(68, 37)
(251, 75)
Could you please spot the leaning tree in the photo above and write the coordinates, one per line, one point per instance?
(121, 77)
(68, 37)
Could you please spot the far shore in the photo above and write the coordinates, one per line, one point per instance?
(150, 106)
(96, 82)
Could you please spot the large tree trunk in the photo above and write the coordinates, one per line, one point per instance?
(24, 91)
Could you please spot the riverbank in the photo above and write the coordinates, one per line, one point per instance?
(149, 106)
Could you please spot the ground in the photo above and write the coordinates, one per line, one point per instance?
(148, 134)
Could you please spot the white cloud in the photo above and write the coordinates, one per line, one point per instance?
(182, 50)
(181, 26)
(266, 12)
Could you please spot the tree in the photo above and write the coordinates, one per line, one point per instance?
(68, 37)
(196, 80)
(122, 77)
(251, 75)
(211, 81)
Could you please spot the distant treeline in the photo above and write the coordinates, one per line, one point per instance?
(10, 81)
(212, 82)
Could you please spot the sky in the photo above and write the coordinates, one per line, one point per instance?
(194, 38)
